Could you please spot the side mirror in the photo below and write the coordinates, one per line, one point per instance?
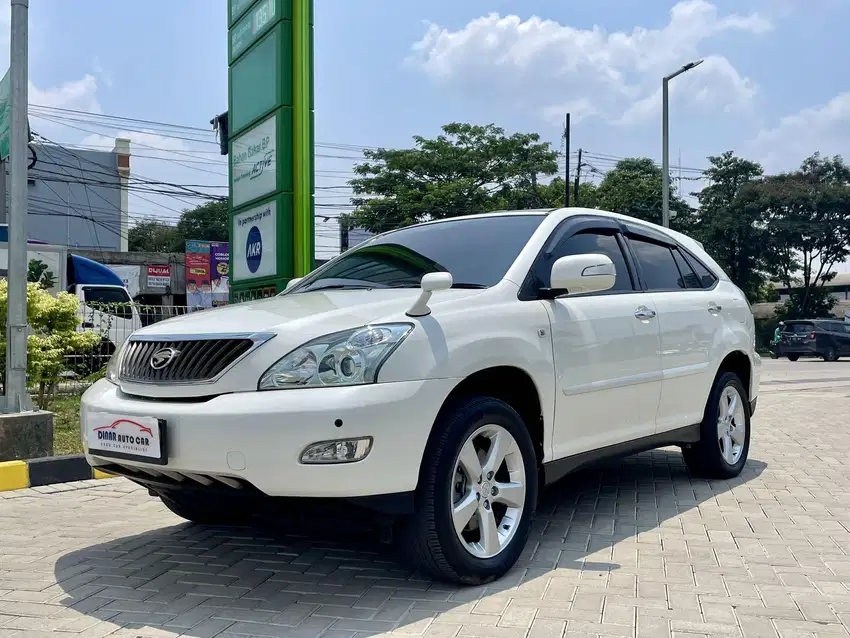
(578, 274)
(436, 281)
(292, 282)
(431, 283)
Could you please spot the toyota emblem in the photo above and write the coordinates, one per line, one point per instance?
(163, 357)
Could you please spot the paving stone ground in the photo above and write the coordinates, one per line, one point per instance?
(634, 548)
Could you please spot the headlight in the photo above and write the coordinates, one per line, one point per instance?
(114, 365)
(351, 357)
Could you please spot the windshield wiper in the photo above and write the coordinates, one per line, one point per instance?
(466, 286)
(340, 287)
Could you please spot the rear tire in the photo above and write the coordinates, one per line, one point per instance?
(490, 500)
(724, 432)
(793, 357)
(203, 512)
(830, 355)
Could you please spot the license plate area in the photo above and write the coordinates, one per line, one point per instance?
(132, 438)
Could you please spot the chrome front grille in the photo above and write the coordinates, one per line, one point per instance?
(200, 359)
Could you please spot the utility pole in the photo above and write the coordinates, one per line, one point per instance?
(578, 176)
(567, 157)
(17, 398)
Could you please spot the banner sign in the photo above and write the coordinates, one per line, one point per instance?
(207, 274)
(220, 272)
(159, 276)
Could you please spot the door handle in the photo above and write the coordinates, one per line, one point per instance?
(643, 313)
(713, 308)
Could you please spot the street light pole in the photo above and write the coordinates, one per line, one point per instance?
(665, 141)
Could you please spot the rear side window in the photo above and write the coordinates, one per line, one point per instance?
(657, 265)
(590, 242)
(689, 277)
(705, 276)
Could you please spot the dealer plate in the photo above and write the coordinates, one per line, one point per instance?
(134, 438)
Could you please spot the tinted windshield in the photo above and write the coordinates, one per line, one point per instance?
(476, 251)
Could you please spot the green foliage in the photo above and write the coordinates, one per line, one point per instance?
(634, 187)
(807, 304)
(807, 218)
(53, 335)
(37, 272)
(731, 223)
(207, 222)
(467, 170)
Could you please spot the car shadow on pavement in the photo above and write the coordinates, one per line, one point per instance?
(598, 526)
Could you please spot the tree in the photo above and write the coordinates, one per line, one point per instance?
(208, 222)
(633, 187)
(152, 236)
(807, 214)
(731, 224)
(467, 170)
(53, 335)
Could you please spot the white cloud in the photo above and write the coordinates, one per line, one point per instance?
(547, 63)
(80, 95)
(824, 128)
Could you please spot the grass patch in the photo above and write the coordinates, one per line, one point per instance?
(66, 425)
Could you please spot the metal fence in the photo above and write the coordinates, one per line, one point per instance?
(115, 323)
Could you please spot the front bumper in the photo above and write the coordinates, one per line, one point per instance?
(256, 438)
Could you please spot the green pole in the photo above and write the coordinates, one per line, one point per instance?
(302, 144)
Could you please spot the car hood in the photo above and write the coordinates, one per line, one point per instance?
(308, 313)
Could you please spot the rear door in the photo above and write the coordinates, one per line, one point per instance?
(690, 320)
(798, 336)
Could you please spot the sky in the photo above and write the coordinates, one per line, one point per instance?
(773, 87)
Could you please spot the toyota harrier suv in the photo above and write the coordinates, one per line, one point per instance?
(439, 376)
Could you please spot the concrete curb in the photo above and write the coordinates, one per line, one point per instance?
(17, 475)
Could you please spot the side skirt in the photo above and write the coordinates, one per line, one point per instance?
(555, 470)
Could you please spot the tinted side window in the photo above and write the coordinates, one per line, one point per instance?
(657, 265)
(689, 277)
(110, 300)
(706, 277)
(595, 242)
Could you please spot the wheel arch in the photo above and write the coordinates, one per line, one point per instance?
(510, 384)
(738, 362)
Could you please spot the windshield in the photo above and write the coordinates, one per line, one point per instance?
(476, 251)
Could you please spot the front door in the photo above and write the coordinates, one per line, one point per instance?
(607, 355)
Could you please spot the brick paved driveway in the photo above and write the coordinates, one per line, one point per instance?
(636, 548)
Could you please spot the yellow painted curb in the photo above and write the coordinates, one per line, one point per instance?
(102, 475)
(14, 475)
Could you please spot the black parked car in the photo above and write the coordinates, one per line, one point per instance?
(824, 338)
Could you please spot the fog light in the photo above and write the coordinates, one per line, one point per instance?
(340, 451)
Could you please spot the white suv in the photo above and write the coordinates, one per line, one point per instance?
(439, 376)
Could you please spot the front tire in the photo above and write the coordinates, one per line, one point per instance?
(724, 432)
(477, 495)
